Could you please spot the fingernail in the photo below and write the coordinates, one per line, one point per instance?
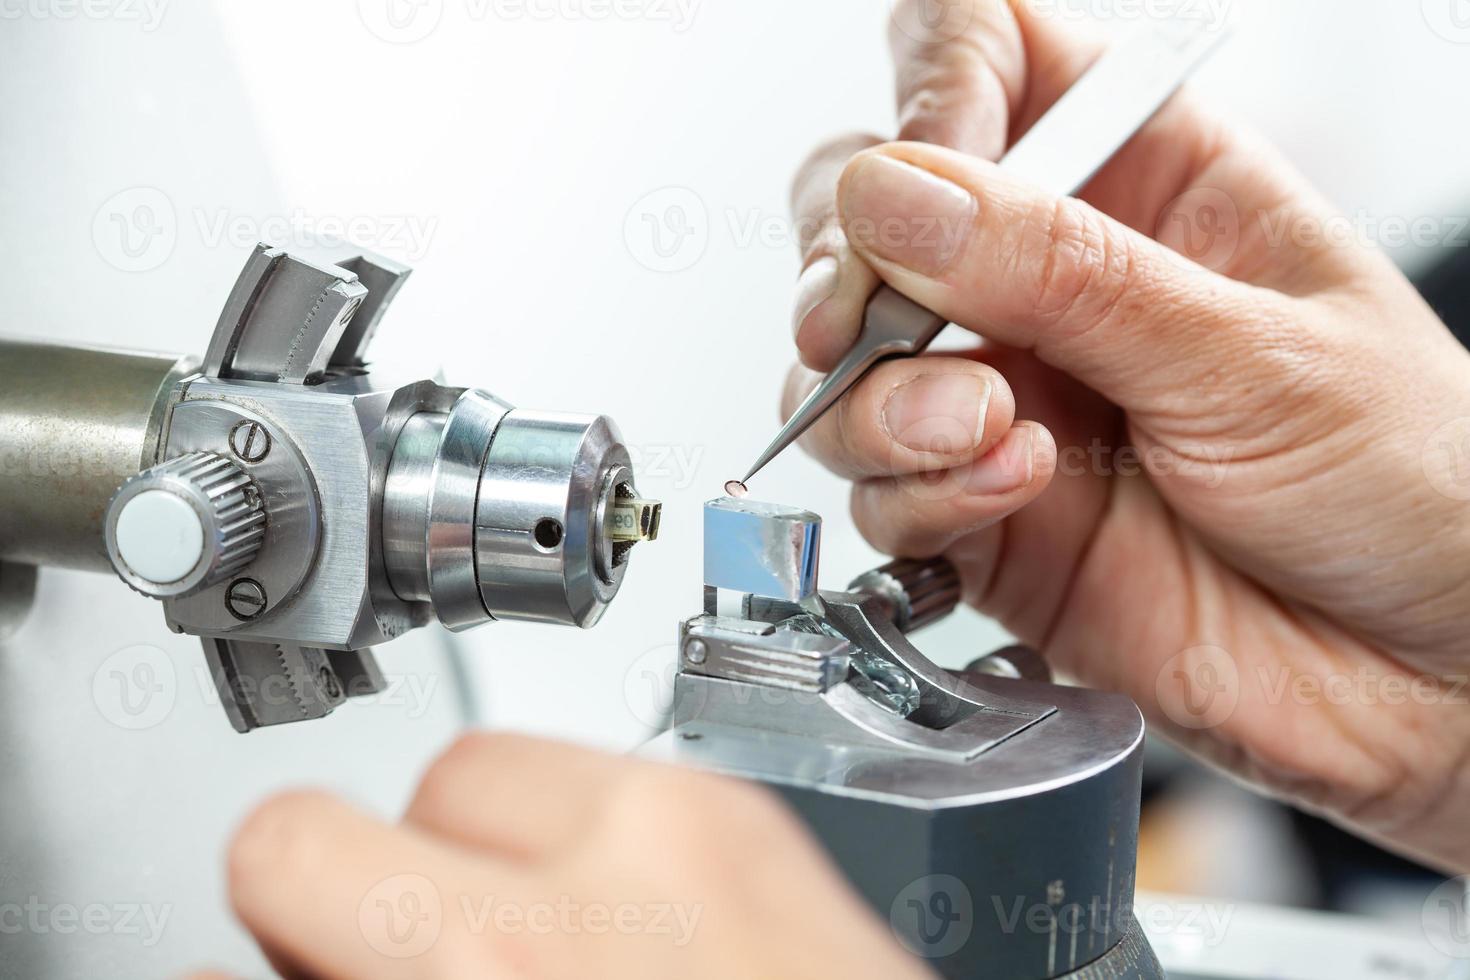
(942, 414)
(907, 215)
(1009, 467)
(816, 285)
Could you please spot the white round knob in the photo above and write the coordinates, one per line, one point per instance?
(184, 525)
(160, 536)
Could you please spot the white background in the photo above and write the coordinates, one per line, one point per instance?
(527, 147)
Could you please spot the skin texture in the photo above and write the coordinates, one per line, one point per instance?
(1278, 575)
(525, 859)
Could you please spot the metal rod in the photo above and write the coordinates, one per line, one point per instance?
(74, 423)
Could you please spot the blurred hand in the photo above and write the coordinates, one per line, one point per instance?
(530, 860)
(1241, 495)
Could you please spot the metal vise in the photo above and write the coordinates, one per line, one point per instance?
(992, 819)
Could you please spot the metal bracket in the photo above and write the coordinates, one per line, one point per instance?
(289, 319)
(273, 684)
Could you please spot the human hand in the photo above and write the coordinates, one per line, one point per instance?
(527, 859)
(1241, 498)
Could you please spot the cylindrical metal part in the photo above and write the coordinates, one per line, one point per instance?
(492, 513)
(406, 495)
(916, 593)
(543, 545)
(75, 422)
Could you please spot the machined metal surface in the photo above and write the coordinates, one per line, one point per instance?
(332, 506)
(75, 422)
(992, 821)
(544, 548)
(450, 543)
(288, 318)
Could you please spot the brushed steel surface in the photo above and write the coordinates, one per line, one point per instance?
(75, 422)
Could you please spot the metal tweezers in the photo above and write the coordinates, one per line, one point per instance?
(1077, 137)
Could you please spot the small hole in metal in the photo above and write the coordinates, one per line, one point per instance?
(548, 534)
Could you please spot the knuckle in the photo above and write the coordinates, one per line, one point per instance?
(437, 788)
(1086, 270)
(279, 831)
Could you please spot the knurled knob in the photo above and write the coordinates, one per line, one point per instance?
(917, 592)
(184, 525)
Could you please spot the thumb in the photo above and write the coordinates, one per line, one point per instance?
(1089, 295)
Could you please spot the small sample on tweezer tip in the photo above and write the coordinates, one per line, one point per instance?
(736, 489)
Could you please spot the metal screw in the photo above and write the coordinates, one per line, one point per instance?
(245, 599)
(327, 681)
(696, 652)
(250, 441)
